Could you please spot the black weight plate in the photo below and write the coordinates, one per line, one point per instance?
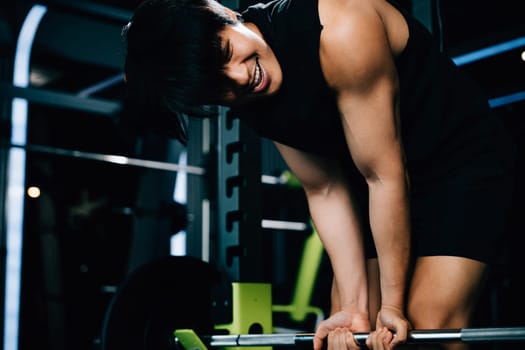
(174, 292)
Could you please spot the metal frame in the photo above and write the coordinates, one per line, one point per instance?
(62, 99)
(239, 239)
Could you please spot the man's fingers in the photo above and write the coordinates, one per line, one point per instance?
(341, 339)
(380, 339)
(318, 343)
(319, 337)
(350, 341)
(401, 334)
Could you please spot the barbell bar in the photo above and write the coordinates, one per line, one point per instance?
(186, 337)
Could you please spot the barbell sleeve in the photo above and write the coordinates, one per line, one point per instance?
(256, 340)
(484, 335)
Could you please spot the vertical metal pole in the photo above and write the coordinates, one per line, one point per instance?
(16, 179)
(238, 247)
(5, 108)
(239, 240)
(198, 189)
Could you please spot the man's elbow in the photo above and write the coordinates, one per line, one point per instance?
(392, 174)
(318, 189)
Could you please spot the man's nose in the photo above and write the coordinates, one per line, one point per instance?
(238, 74)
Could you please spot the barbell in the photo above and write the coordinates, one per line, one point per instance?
(167, 304)
(189, 340)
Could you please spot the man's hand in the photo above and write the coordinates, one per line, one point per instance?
(393, 320)
(338, 329)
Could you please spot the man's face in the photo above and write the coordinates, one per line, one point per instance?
(251, 66)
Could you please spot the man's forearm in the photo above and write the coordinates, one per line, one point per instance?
(339, 229)
(390, 222)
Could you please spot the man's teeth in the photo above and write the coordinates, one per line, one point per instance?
(257, 79)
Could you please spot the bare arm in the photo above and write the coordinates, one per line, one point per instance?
(358, 64)
(334, 215)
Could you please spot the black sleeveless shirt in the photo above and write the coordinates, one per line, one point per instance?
(442, 110)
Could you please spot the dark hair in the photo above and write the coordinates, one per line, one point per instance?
(174, 62)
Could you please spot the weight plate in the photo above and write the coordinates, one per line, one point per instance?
(171, 293)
